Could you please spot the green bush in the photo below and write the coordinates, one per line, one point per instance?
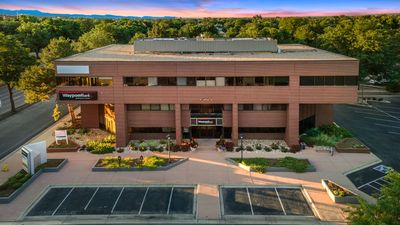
(15, 181)
(393, 86)
(259, 165)
(296, 165)
(321, 140)
(258, 147)
(70, 131)
(143, 146)
(83, 131)
(153, 144)
(333, 130)
(98, 147)
(313, 132)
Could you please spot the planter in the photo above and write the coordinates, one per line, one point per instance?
(348, 199)
(310, 168)
(73, 148)
(12, 196)
(55, 169)
(162, 168)
(347, 145)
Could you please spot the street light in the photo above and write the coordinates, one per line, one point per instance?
(241, 147)
(168, 147)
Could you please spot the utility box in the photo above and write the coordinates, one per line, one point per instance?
(33, 155)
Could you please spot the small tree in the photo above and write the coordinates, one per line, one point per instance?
(56, 113)
(386, 211)
(95, 38)
(14, 58)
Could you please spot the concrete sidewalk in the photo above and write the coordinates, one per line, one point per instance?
(207, 168)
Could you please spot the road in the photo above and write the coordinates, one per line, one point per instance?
(5, 105)
(377, 126)
(17, 129)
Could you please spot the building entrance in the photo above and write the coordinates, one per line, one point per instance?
(207, 132)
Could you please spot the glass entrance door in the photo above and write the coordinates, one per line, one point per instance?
(206, 132)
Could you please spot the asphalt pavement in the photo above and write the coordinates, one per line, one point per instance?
(376, 125)
(18, 128)
(5, 105)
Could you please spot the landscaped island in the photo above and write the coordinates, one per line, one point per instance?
(262, 165)
(113, 163)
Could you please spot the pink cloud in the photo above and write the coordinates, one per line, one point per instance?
(198, 12)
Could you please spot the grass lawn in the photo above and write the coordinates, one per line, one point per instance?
(260, 165)
(151, 162)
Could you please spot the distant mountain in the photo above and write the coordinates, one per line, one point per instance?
(38, 13)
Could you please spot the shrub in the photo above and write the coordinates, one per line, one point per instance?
(163, 142)
(120, 150)
(83, 131)
(15, 181)
(333, 130)
(110, 139)
(154, 162)
(229, 146)
(296, 165)
(275, 146)
(393, 86)
(267, 148)
(249, 148)
(143, 146)
(220, 142)
(70, 131)
(258, 147)
(16, 185)
(97, 147)
(184, 146)
(313, 132)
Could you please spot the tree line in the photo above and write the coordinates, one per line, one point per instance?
(374, 40)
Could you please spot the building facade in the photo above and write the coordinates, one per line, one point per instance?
(198, 90)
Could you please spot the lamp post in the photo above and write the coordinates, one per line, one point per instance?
(168, 147)
(241, 147)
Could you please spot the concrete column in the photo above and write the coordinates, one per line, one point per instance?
(121, 124)
(292, 127)
(178, 123)
(90, 115)
(323, 114)
(235, 123)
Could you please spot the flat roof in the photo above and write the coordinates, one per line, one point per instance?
(125, 53)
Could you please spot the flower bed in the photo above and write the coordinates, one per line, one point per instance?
(104, 146)
(52, 165)
(325, 135)
(162, 145)
(351, 145)
(339, 194)
(62, 146)
(262, 165)
(136, 164)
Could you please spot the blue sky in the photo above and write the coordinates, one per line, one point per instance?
(209, 8)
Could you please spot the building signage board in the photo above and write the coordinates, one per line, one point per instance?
(33, 155)
(77, 95)
(201, 121)
(206, 121)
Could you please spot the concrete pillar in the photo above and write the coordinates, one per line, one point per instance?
(323, 114)
(121, 124)
(178, 123)
(292, 127)
(235, 123)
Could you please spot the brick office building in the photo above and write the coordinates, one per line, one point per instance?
(206, 88)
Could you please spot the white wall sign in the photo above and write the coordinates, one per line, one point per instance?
(61, 135)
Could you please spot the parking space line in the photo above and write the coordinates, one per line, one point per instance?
(62, 201)
(387, 113)
(144, 198)
(251, 205)
(373, 187)
(116, 201)
(280, 201)
(384, 125)
(371, 113)
(170, 198)
(383, 179)
(389, 107)
(372, 118)
(368, 183)
(87, 205)
(392, 132)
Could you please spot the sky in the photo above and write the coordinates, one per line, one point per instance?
(209, 8)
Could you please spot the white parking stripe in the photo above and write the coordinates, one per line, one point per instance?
(251, 205)
(373, 187)
(369, 182)
(372, 118)
(280, 201)
(371, 113)
(384, 125)
(392, 132)
(389, 107)
(144, 197)
(116, 201)
(62, 201)
(91, 199)
(170, 198)
(387, 113)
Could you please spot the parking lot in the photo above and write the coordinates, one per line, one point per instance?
(371, 179)
(378, 126)
(264, 201)
(121, 200)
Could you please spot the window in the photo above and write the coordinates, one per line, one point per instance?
(134, 107)
(155, 107)
(262, 129)
(339, 80)
(152, 130)
(246, 107)
(210, 81)
(248, 81)
(220, 81)
(307, 81)
(84, 81)
(191, 81)
(229, 81)
(136, 81)
(319, 81)
(146, 107)
(167, 81)
(152, 81)
(351, 80)
(182, 81)
(281, 81)
(259, 81)
(278, 107)
(329, 80)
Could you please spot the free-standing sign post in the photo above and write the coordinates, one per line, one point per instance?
(61, 135)
(33, 155)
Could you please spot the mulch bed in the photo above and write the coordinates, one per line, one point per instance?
(63, 147)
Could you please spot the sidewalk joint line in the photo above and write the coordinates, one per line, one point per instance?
(144, 198)
(62, 201)
(280, 201)
(251, 205)
(91, 198)
(170, 198)
(116, 201)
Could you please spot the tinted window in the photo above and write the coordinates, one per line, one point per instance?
(339, 80)
(319, 81)
(229, 81)
(307, 81)
(281, 81)
(329, 80)
(350, 80)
